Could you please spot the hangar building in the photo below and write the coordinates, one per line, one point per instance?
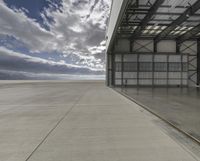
(154, 43)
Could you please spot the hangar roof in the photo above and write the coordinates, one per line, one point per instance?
(158, 19)
(117, 12)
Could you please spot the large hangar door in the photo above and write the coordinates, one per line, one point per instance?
(150, 69)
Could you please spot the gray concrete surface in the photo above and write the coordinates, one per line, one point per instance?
(179, 106)
(80, 121)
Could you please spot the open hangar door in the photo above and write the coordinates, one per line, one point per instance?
(156, 43)
(144, 67)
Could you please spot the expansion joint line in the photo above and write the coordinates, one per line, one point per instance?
(55, 126)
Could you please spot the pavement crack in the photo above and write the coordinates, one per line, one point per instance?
(54, 127)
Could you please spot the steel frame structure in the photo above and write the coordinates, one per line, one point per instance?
(142, 22)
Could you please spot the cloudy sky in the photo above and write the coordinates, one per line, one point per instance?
(52, 37)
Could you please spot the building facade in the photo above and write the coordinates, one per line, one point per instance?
(153, 43)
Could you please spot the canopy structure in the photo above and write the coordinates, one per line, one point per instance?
(169, 28)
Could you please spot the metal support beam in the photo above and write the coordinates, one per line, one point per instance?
(131, 12)
(112, 82)
(122, 70)
(131, 45)
(107, 70)
(113, 69)
(155, 49)
(157, 20)
(189, 34)
(137, 3)
(167, 70)
(177, 47)
(138, 70)
(189, 12)
(147, 18)
(198, 62)
(162, 6)
(178, 51)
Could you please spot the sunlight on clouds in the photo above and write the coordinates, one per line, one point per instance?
(78, 29)
(7, 54)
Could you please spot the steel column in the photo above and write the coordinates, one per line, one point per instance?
(122, 70)
(113, 69)
(153, 62)
(107, 70)
(198, 62)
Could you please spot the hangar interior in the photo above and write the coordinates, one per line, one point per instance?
(153, 58)
(157, 43)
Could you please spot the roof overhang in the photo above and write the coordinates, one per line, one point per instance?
(116, 16)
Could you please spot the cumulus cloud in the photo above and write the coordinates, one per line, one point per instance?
(15, 23)
(98, 49)
(77, 30)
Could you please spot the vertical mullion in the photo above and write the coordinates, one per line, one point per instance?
(167, 70)
(113, 68)
(181, 70)
(188, 69)
(198, 61)
(181, 59)
(138, 66)
(122, 70)
(107, 70)
(153, 62)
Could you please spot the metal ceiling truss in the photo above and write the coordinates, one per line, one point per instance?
(138, 17)
(188, 12)
(147, 18)
(131, 12)
(158, 20)
(189, 34)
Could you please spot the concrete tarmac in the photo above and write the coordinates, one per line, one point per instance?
(179, 106)
(79, 121)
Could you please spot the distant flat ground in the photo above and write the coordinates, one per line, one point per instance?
(79, 121)
(47, 81)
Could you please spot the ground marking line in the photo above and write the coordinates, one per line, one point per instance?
(55, 126)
